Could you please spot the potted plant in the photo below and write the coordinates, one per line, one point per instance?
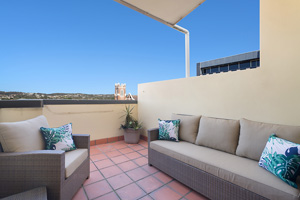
(131, 127)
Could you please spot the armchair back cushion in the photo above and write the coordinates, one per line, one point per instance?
(254, 136)
(23, 136)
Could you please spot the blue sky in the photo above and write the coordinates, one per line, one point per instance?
(87, 46)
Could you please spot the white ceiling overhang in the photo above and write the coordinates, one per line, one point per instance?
(168, 12)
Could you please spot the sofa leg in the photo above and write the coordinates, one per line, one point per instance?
(150, 164)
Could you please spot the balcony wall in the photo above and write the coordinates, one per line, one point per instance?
(269, 93)
(98, 120)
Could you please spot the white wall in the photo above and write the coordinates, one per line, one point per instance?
(270, 93)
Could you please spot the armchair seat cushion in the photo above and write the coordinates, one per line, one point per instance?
(73, 160)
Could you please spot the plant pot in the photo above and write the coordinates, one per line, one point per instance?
(132, 136)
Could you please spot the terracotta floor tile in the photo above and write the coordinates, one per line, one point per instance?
(137, 174)
(112, 154)
(120, 146)
(149, 184)
(118, 142)
(98, 157)
(163, 177)
(126, 166)
(126, 150)
(132, 145)
(109, 196)
(104, 163)
(97, 189)
(93, 167)
(144, 152)
(107, 148)
(165, 193)
(94, 177)
(195, 196)
(95, 151)
(119, 181)
(146, 198)
(179, 187)
(138, 147)
(111, 171)
(144, 144)
(80, 195)
(150, 169)
(141, 161)
(133, 155)
(119, 159)
(93, 147)
(130, 192)
(103, 145)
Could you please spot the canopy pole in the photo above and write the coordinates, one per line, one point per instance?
(187, 48)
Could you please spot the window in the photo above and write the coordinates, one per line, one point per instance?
(224, 68)
(233, 67)
(244, 61)
(215, 70)
(244, 65)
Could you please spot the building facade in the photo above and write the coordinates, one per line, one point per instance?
(120, 91)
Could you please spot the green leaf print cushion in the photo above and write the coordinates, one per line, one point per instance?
(282, 158)
(59, 138)
(168, 129)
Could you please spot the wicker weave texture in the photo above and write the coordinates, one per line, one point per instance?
(20, 172)
(39, 193)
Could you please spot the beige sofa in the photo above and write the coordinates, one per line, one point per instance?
(219, 157)
(24, 165)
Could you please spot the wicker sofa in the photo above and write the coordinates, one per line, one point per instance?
(219, 158)
(62, 173)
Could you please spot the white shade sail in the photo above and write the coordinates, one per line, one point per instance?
(168, 12)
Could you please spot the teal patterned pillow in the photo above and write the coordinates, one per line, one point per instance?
(59, 138)
(168, 129)
(282, 158)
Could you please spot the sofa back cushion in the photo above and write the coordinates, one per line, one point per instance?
(23, 135)
(220, 134)
(254, 136)
(188, 127)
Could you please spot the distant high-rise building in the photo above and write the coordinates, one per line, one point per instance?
(120, 91)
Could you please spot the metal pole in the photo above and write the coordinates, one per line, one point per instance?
(187, 48)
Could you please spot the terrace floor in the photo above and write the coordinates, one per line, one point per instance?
(120, 171)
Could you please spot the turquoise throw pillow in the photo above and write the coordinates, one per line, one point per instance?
(168, 129)
(282, 158)
(59, 138)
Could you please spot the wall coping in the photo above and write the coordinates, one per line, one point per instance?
(39, 103)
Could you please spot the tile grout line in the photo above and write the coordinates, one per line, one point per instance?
(104, 152)
(125, 172)
(150, 174)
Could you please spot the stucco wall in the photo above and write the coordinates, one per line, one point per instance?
(98, 120)
(269, 93)
(19, 114)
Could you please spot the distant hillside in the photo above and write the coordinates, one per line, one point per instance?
(25, 95)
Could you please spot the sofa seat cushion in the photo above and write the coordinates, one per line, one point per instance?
(73, 159)
(238, 170)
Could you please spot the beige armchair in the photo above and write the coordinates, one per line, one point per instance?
(62, 173)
